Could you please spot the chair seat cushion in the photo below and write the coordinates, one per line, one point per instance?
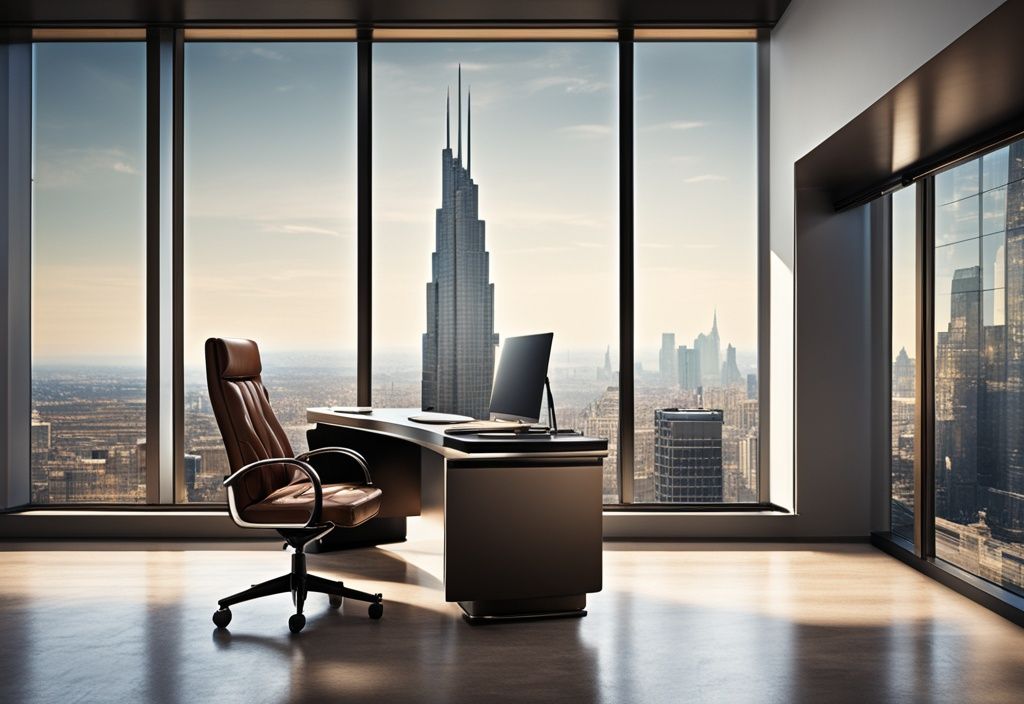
(344, 504)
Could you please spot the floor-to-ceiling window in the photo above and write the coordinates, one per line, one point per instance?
(696, 284)
(495, 189)
(88, 423)
(270, 241)
(903, 358)
(979, 365)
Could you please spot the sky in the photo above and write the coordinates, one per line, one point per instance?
(270, 198)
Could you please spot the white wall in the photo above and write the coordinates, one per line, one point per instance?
(830, 59)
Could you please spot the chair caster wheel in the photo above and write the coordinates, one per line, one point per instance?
(222, 617)
(376, 611)
(335, 601)
(296, 623)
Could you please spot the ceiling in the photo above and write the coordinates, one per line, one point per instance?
(762, 13)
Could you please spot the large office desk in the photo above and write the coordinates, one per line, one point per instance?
(522, 517)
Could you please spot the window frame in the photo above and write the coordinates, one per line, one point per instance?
(165, 229)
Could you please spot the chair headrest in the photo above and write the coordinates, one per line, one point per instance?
(236, 358)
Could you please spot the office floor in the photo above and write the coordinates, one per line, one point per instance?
(675, 623)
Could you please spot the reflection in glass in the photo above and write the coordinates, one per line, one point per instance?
(270, 248)
(993, 207)
(979, 384)
(903, 440)
(696, 273)
(957, 221)
(88, 427)
(957, 183)
(496, 208)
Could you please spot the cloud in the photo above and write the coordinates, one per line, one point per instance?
(75, 167)
(571, 84)
(123, 168)
(678, 125)
(703, 178)
(266, 53)
(588, 131)
(468, 66)
(308, 230)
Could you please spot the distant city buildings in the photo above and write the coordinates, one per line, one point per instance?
(709, 349)
(459, 345)
(667, 362)
(730, 370)
(688, 361)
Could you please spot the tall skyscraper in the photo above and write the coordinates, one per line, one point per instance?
(458, 347)
(709, 347)
(1006, 496)
(957, 367)
(667, 359)
(752, 387)
(689, 368)
(688, 456)
(730, 370)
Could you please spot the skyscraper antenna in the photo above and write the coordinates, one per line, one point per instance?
(448, 120)
(460, 113)
(469, 129)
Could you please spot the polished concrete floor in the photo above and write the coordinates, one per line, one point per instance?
(675, 623)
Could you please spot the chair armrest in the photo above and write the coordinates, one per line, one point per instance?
(304, 467)
(352, 454)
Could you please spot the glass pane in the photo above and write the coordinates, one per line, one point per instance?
(696, 273)
(904, 361)
(270, 248)
(995, 169)
(88, 428)
(957, 221)
(956, 183)
(979, 399)
(993, 261)
(957, 264)
(498, 220)
(993, 208)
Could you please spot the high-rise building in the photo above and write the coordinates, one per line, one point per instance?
(667, 359)
(1006, 495)
(957, 367)
(688, 363)
(458, 347)
(903, 375)
(730, 370)
(688, 455)
(709, 348)
(752, 387)
(193, 468)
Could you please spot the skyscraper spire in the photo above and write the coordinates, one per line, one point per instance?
(448, 120)
(714, 322)
(469, 130)
(460, 113)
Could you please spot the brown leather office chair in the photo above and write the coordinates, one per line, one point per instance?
(272, 488)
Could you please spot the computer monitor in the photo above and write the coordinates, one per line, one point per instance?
(519, 384)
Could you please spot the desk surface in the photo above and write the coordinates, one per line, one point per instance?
(395, 421)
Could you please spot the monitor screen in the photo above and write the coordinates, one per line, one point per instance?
(519, 383)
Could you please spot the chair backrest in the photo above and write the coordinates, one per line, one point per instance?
(247, 423)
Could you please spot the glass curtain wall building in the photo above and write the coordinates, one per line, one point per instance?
(979, 366)
(270, 241)
(494, 213)
(88, 426)
(696, 284)
(494, 200)
(903, 397)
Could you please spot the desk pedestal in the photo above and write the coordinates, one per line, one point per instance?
(522, 538)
